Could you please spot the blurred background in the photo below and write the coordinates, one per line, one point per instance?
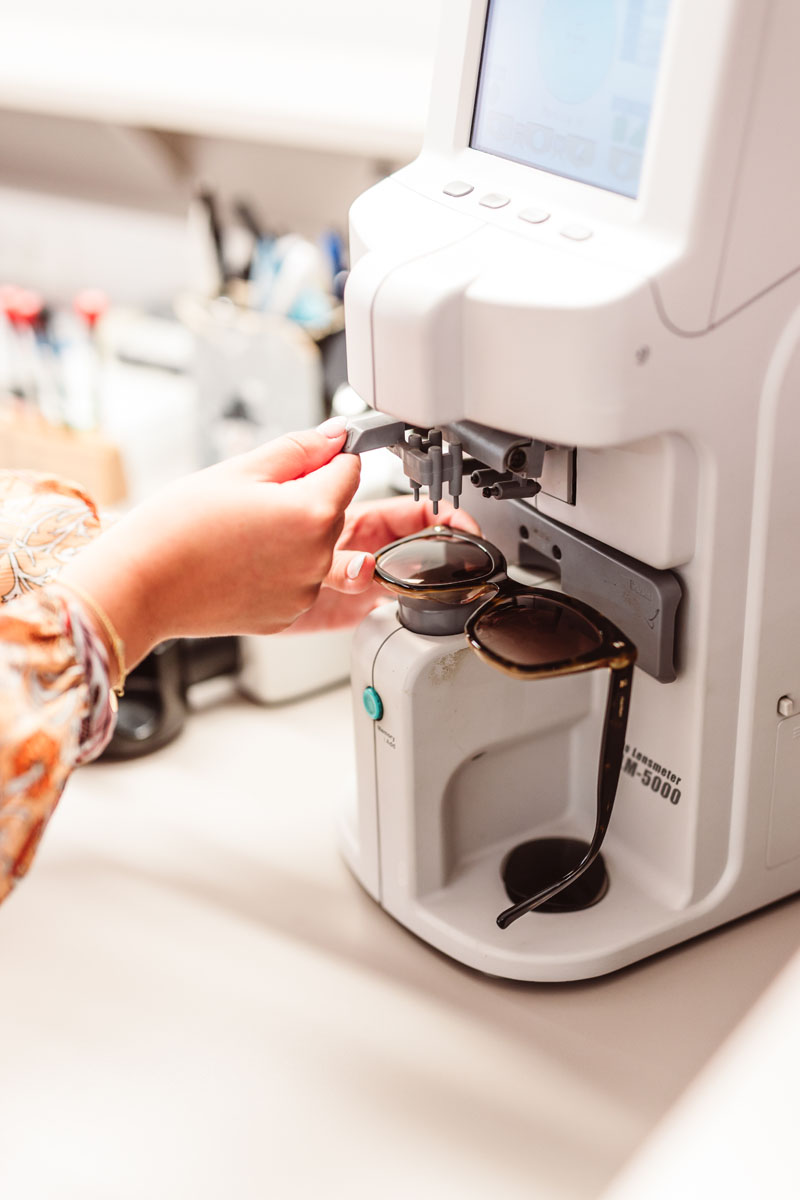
(175, 180)
(192, 166)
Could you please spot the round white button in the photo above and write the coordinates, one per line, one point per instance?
(458, 188)
(534, 216)
(495, 200)
(576, 233)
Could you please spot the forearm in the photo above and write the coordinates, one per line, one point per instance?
(241, 547)
(117, 573)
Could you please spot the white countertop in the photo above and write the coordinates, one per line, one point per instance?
(199, 1001)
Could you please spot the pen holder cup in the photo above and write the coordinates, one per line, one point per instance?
(258, 375)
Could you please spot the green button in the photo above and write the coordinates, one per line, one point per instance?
(373, 703)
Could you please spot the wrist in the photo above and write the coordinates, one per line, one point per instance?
(104, 630)
(114, 586)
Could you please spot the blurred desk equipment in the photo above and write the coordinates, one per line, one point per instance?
(28, 442)
(257, 375)
(153, 708)
(267, 357)
(267, 670)
(97, 394)
(259, 314)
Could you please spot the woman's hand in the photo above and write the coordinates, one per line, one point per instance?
(349, 591)
(242, 547)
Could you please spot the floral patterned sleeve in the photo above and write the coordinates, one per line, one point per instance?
(55, 696)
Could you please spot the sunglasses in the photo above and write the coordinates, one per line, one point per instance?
(526, 632)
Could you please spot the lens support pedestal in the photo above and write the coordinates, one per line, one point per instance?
(433, 617)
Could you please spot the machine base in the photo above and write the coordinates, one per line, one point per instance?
(534, 865)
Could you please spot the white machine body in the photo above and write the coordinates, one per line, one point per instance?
(654, 330)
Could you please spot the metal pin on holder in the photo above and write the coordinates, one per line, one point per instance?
(425, 461)
(501, 465)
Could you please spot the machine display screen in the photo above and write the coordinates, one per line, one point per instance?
(567, 86)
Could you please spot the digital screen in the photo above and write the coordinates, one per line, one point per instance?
(567, 86)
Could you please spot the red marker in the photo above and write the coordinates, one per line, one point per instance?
(8, 299)
(28, 307)
(8, 307)
(91, 304)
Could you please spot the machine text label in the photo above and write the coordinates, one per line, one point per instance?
(651, 774)
(387, 737)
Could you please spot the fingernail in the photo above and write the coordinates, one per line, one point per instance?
(355, 565)
(334, 427)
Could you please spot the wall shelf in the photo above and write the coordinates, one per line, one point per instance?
(356, 97)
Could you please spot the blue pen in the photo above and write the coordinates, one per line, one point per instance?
(263, 269)
(334, 246)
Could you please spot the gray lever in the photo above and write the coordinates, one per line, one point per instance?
(372, 431)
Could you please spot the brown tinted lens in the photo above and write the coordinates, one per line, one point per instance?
(435, 561)
(530, 631)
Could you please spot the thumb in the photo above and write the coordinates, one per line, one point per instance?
(298, 454)
(351, 571)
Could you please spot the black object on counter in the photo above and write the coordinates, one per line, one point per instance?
(153, 710)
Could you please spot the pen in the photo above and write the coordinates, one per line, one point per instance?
(8, 303)
(51, 385)
(24, 315)
(91, 304)
(208, 204)
(248, 219)
(334, 247)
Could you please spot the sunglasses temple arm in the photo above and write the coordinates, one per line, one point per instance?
(613, 748)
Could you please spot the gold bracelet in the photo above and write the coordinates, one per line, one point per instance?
(117, 645)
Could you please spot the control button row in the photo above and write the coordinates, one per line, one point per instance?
(533, 216)
(458, 188)
(576, 233)
(494, 200)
